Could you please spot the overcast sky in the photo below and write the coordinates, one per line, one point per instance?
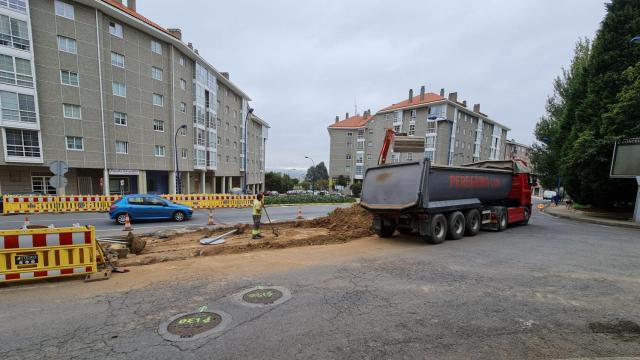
(304, 62)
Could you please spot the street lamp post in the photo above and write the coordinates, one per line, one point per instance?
(246, 131)
(313, 174)
(175, 145)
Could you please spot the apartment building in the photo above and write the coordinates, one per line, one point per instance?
(453, 133)
(125, 102)
(516, 150)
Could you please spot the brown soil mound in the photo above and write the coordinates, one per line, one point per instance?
(341, 225)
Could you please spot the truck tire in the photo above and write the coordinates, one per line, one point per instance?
(386, 231)
(503, 221)
(437, 230)
(456, 225)
(405, 230)
(473, 222)
(527, 216)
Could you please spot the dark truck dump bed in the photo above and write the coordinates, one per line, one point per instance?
(431, 188)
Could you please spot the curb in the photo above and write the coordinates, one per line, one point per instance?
(593, 221)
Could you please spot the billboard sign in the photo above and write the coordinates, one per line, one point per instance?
(626, 159)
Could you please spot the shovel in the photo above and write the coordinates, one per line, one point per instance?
(273, 229)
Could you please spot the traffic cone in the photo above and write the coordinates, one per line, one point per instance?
(299, 216)
(211, 221)
(26, 222)
(127, 223)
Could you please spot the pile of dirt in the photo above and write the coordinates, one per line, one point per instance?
(346, 223)
(341, 225)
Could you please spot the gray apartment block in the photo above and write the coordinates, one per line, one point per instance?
(453, 133)
(122, 100)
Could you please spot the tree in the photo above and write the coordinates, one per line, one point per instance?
(342, 180)
(595, 103)
(356, 188)
(279, 182)
(317, 173)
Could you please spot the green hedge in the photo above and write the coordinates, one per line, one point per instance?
(307, 199)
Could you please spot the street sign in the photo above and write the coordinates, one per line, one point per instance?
(58, 181)
(59, 167)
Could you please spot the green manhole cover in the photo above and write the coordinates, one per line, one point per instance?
(262, 296)
(190, 325)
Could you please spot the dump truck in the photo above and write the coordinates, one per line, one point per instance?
(447, 202)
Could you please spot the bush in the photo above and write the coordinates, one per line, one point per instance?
(307, 199)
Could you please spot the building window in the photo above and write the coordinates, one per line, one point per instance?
(158, 125)
(347, 169)
(160, 150)
(235, 114)
(117, 59)
(184, 153)
(414, 114)
(457, 143)
(40, 184)
(396, 129)
(17, 107)
(182, 60)
(67, 44)
(15, 71)
(122, 147)
(369, 157)
(119, 89)
(120, 118)
(429, 155)
(22, 143)
(75, 143)
(183, 132)
(62, 9)
(369, 144)
(156, 47)
(183, 84)
(227, 159)
(412, 130)
(115, 29)
(71, 111)
(183, 107)
(349, 133)
(431, 127)
(156, 73)
(348, 157)
(409, 156)
(17, 5)
(14, 33)
(158, 100)
(69, 78)
(430, 142)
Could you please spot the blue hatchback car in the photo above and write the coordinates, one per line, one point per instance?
(148, 207)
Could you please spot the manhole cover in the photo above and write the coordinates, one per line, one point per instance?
(189, 325)
(192, 326)
(262, 296)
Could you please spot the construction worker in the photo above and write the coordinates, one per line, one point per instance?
(258, 205)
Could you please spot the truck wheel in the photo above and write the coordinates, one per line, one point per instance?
(472, 227)
(386, 231)
(527, 215)
(405, 230)
(456, 225)
(437, 229)
(502, 221)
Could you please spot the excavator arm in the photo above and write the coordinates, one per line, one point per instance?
(386, 145)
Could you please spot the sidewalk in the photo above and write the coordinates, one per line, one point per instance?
(578, 215)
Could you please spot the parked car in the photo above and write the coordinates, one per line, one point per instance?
(272, 193)
(148, 207)
(548, 194)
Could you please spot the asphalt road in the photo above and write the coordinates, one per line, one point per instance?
(554, 289)
(106, 227)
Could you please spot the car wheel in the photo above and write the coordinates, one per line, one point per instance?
(178, 216)
(121, 218)
(456, 225)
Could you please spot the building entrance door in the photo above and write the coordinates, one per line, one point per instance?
(85, 186)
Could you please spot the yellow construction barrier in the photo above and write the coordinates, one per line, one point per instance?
(46, 253)
(100, 203)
